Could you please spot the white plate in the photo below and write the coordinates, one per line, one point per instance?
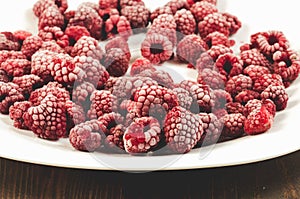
(281, 139)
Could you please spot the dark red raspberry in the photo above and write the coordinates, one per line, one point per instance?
(218, 39)
(87, 46)
(116, 62)
(201, 9)
(222, 98)
(108, 4)
(190, 48)
(86, 136)
(118, 25)
(204, 97)
(277, 94)
(16, 67)
(28, 83)
(176, 5)
(114, 140)
(11, 54)
(102, 102)
(212, 78)
(9, 94)
(157, 48)
(16, 113)
(92, 5)
(212, 128)
(51, 16)
(139, 65)
(235, 23)
(237, 84)
(75, 114)
(124, 3)
(256, 104)
(244, 96)
(262, 82)
(185, 22)
(191, 2)
(233, 125)
(163, 78)
(229, 65)
(74, 33)
(109, 121)
(258, 121)
(4, 77)
(182, 130)
(54, 33)
(31, 45)
(138, 16)
(81, 94)
(142, 135)
(118, 42)
(184, 98)
(254, 57)
(255, 71)
(214, 22)
(41, 5)
(159, 11)
(270, 106)
(234, 107)
(8, 41)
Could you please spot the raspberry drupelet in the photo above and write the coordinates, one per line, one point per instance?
(51, 16)
(16, 113)
(8, 41)
(87, 46)
(238, 83)
(182, 130)
(116, 62)
(9, 94)
(28, 83)
(118, 25)
(185, 23)
(138, 16)
(233, 125)
(31, 45)
(201, 9)
(118, 42)
(229, 65)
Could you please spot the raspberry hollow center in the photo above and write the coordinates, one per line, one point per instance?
(227, 66)
(156, 48)
(272, 40)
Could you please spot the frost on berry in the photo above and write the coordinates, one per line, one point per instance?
(244, 96)
(118, 42)
(116, 62)
(54, 34)
(9, 94)
(159, 11)
(108, 4)
(118, 25)
(238, 83)
(234, 107)
(81, 94)
(11, 54)
(31, 45)
(204, 98)
(212, 78)
(87, 46)
(185, 22)
(256, 71)
(184, 98)
(262, 82)
(163, 78)
(254, 57)
(8, 41)
(214, 22)
(75, 32)
(51, 16)
(75, 114)
(16, 113)
(229, 65)
(201, 9)
(139, 65)
(233, 125)
(41, 5)
(16, 67)
(28, 83)
(277, 94)
(235, 23)
(138, 16)
(218, 39)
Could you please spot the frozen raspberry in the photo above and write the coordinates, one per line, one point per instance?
(176, 5)
(21, 35)
(254, 57)
(16, 67)
(114, 140)
(163, 78)
(218, 39)
(109, 121)
(157, 48)
(237, 84)
(270, 106)
(255, 71)
(191, 2)
(101, 102)
(148, 96)
(186, 84)
(138, 16)
(234, 107)
(124, 3)
(184, 98)
(139, 65)
(220, 113)
(8, 41)
(258, 121)
(41, 5)
(202, 9)
(118, 25)
(54, 33)
(214, 22)
(212, 78)
(107, 12)
(31, 45)
(277, 94)
(190, 48)
(118, 42)
(203, 96)
(235, 23)
(10, 54)
(41, 63)
(262, 82)
(244, 96)
(233, 125)
(108, 4)
(87, 46)
(229, 65)
(116, 62)
(212, 128)
(81, 94)
(51, 16)
(75, 114)
(92, 5)
(142, 135)
(159, 11)
(185, 22)
(86, 136)
(52, 46)
(222, 98)
(4, 77)
(16, 113)
(251, 105)
(74, 33)
(28, 83)
(9, 94)
(182, 130)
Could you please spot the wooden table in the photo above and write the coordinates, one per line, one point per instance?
(274, 179)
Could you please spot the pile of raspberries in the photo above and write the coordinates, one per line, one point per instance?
(60, 83)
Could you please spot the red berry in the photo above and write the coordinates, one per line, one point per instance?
(191, 2)
(233, 125)
(51, 16)
(229, 65)
(75, 114)
(87, 46)
(116, 62)
(124, 3)
(218, 39)
(212, 78)
(41, 5)
(201, 9)
(184, 98)
(163, 78)
(212, 128)
(159, 11)
(74, 33)
(118, 42)
(4, 77)
(185, 22)
(108, 4)
(234, 107)
(235, 23)
(222, 98)
(138, 16)
(31, 45)
(277, 94)
(16, 67)
(214, 22)
(254, 57)
(262, 82)
(203, 96)
(139, 65)
(28, 83)
(9, 94)
(81, 94)
(118, 25)
(176, 5)
(255, 71)
(114, 140)
(237, 84)
(41, 63)
(8, 41)
(11, 54)
(16, 113)
(244, 96)
(54, 33)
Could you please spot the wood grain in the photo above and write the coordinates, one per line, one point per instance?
(277, 178)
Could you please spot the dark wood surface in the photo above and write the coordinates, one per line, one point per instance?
(276, 178)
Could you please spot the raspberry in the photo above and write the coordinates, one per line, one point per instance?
(237, 84)
(255, 71)
(52, 46)
(108, 4)
(176, 5)
(182, 130)
(54, 33)
(235, 23)
(116, 62)
(214, 22)
(21, 35)
(234, 107)
(75, 114)
(233, 125)
(202, 9)
(139, 65)
(41, 5)
(74, 33)
(163, 78)
(11, 54)
(184, 98)
(4, 77)
(185, 22)
(87, 46)
(41, 64)
(222, 98)
(9, 94)
(109, 121)
(254, 57)
(212, 128)
(256, 104)
(81, 94)
(190, 48)
(118, 42)
(142, 135)
(138, 16)
(102, 102)
(16, 113)
(220, 113)
(16, 67)
(27, 84)
(229, 65)
(107, 12)
(218, 39)
(277, 94)
(212, 78)
(116, 24)
(262, 82)
(244, 96)
(186, 84)
(157, 48)
(114, 140)
(203, 96)
(258, 121)
(8, 41)
(86, 136)
(191, 2)
(159, 11)
(124, 3)
(31, 45)
(51, 16)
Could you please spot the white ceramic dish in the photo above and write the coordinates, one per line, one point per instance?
(281, 139)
